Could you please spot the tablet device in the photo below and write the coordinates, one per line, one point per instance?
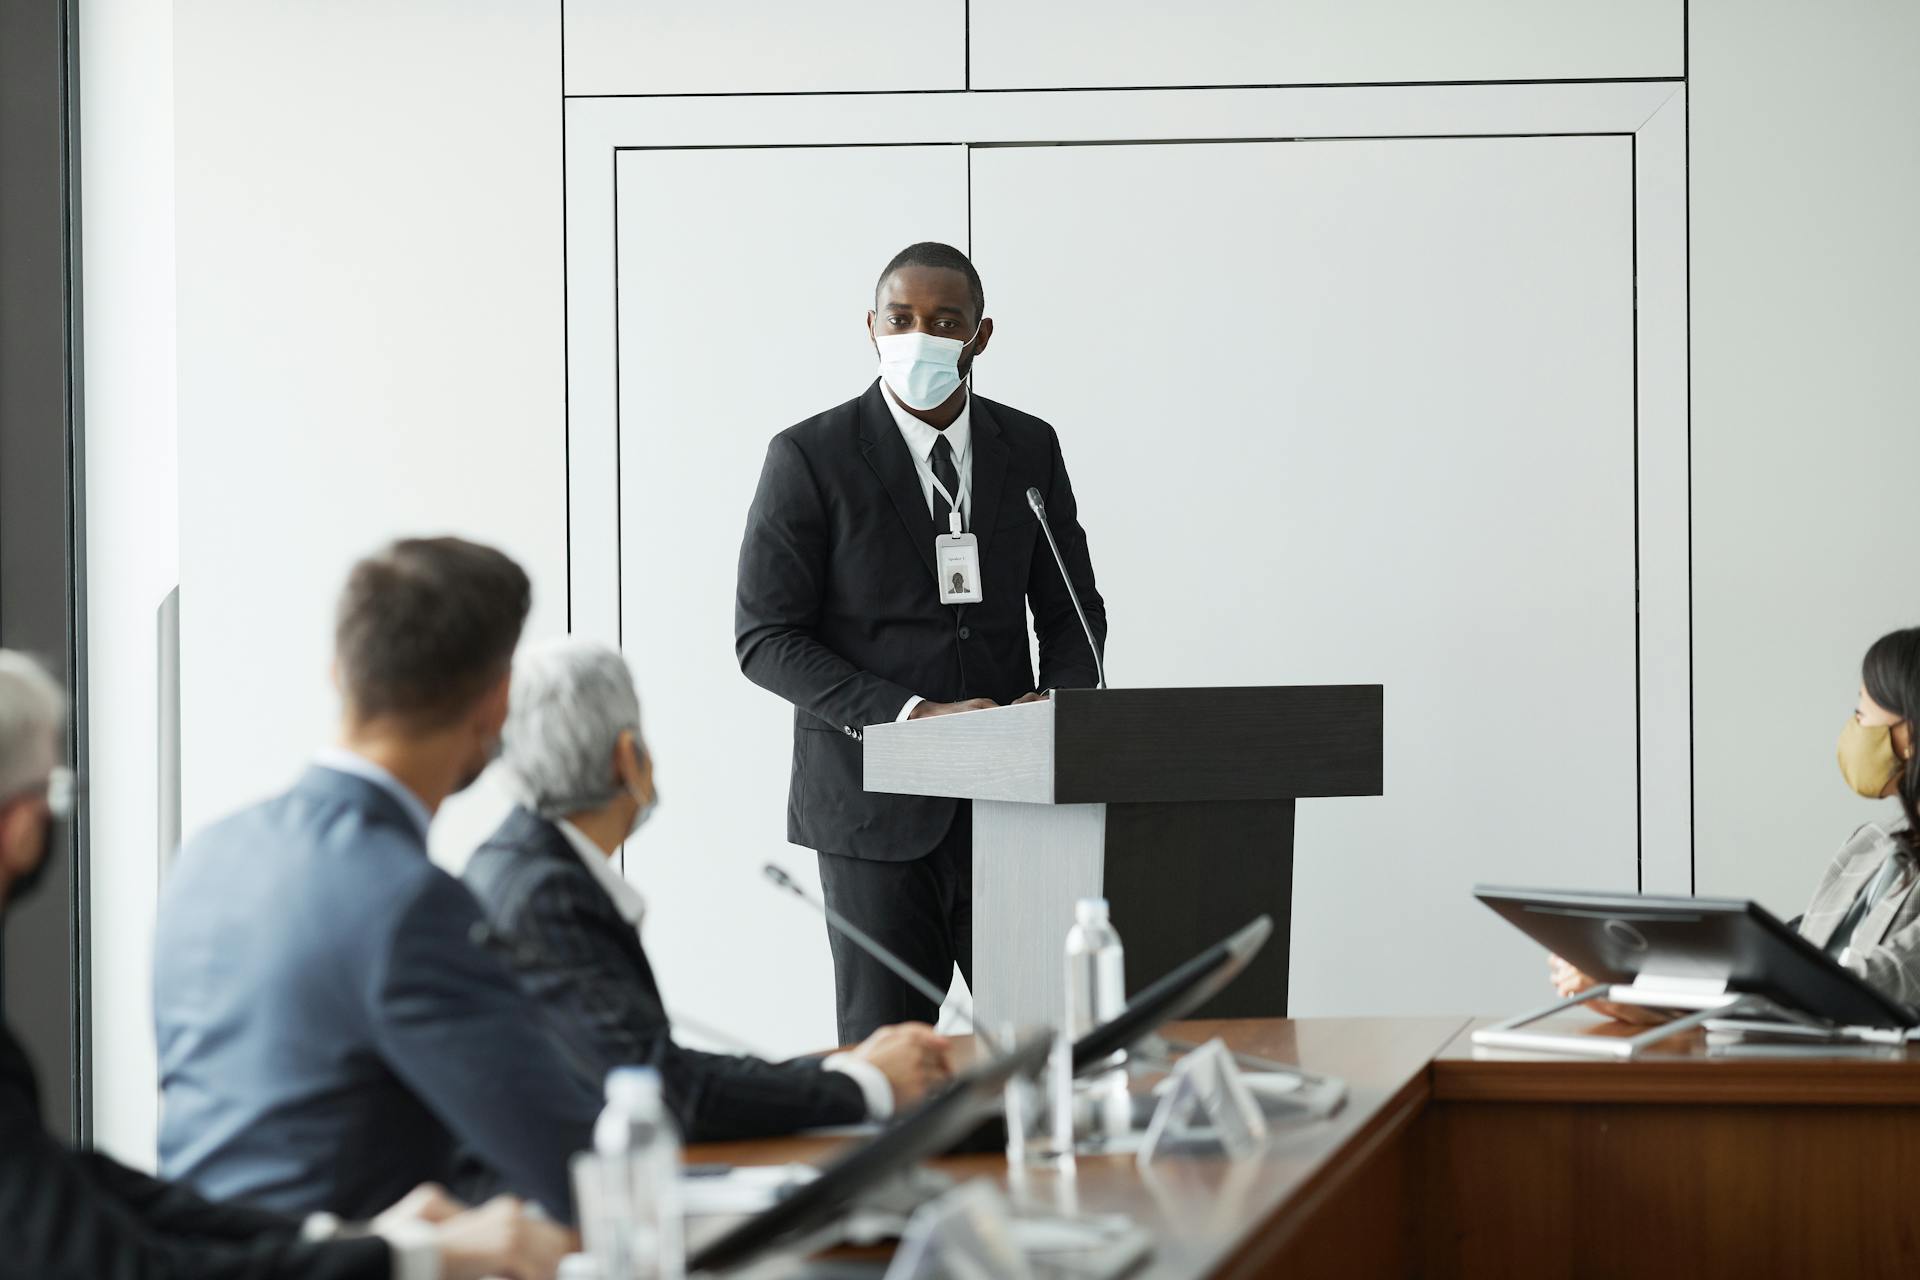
(1616, 937)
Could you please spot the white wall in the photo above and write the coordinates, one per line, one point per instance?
(368, 292)
(1356, 412)
(1017, 44)
(126, 243)
(370, 343)
(1806, 439)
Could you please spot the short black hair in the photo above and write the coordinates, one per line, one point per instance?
(931, 253)
(425, 626)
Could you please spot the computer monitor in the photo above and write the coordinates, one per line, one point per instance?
(1619, 937)
(929, 1128)
(1174, 996)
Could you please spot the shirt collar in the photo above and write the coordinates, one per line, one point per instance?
(920, 437)
(355, 765)
(626, 899)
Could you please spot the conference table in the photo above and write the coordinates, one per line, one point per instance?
(1450, 1160)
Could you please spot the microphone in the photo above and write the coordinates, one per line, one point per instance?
(842, 925)
(1040, 509)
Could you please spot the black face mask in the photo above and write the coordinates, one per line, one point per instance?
(23, 887)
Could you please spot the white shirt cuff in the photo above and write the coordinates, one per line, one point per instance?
(416, 1250)
(319, 1227)
(872, 1082)
(415, 1244)
(907, 711)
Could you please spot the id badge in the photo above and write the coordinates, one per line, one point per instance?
(957, 558)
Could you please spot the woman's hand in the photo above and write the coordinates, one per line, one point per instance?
(1569, 981)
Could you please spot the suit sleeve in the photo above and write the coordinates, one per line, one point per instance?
(782, 580)
(454, 1023)
(608, 1005)
(63, 1214)
(1891, 966)
(1065, 660)
(173, 1209)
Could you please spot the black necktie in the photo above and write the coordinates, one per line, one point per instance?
(947, 474)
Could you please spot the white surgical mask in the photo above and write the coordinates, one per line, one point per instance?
(921, 369)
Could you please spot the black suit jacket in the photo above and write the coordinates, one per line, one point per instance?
(580, 957)
(839, 610)
(67, 1215)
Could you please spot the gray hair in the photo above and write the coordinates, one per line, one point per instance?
(32, 711)
(571, 700)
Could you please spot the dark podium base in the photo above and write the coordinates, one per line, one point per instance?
(1180, 877)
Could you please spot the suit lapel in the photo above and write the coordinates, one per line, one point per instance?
(547, 840)
(1859, 859)
(887, 454)
(989, 473)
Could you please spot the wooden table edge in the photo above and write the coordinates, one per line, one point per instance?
(1459, 1076)
(1394, 1118)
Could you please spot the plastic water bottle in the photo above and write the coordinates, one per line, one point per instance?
(1096, 971)
(639, 1219)
(1096, 993)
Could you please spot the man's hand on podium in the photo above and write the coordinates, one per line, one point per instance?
(922, 710)
(1029, 697)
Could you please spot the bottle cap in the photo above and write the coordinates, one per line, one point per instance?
(579, 1266)
(633, 1086)
(1090, 911)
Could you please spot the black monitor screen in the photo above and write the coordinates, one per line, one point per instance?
(1618, 937)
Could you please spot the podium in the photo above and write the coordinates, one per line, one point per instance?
(1175, 804)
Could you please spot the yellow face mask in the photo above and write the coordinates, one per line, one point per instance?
(1867, 758)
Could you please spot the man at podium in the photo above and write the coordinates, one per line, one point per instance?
(889, 564)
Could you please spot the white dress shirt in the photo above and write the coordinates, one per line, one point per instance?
(920, 440)
(633, 909)
(626, 899)
(415, 1244)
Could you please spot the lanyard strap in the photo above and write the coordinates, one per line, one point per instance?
(966, 492)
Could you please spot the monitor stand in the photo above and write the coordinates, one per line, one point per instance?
(1703, 999)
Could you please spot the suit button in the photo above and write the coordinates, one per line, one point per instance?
(966, 633)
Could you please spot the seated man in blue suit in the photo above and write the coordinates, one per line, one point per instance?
(76, 1215)
(331, 1028)
(572, 749)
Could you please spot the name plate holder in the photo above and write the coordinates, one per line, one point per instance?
(973, 1233)
(1206, 1100)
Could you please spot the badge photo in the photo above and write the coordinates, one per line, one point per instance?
(956, 558)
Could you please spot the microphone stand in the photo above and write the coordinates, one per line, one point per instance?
(859, 938)
(1040, 510)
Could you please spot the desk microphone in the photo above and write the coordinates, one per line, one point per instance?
(1040, 509)
(841, 924)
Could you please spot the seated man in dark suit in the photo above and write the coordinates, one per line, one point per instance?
(332, 1029)
(572, 749)
(76, 1215)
